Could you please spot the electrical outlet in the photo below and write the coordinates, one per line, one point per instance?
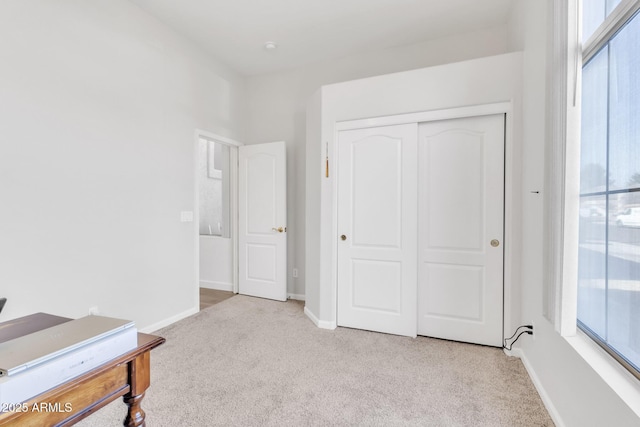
(94, 311)
(533, 331)
(295, 272)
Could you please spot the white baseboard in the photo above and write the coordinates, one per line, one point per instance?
(219, 286)
(297, 297)
(322, 324)
(166, 322)
(546, 400)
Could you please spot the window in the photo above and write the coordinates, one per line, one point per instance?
(608, 308)
(214, 188)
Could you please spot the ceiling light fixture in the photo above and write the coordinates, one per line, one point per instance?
(270, 46)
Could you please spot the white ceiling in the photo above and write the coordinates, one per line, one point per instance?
(307, 31)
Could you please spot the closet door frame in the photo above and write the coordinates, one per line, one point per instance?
(510, 188)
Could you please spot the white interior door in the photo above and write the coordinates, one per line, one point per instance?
(262, 222)
(377, 243)
(461, 217)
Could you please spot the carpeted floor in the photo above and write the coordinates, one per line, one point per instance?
(254, 362)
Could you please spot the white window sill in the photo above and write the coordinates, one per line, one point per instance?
(615, 375)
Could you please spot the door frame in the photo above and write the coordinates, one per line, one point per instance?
(510, 294)
(233, 203)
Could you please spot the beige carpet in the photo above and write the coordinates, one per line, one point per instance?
(253, 362)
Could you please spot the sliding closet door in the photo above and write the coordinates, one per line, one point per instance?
(461, 217)
(377, 207)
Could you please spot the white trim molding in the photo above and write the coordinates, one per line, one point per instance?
(168, 321)
(562, 185)
(426, 116)
(219, 286)
(322, 324)
(214, 137)
(621, 381)
(544, 396)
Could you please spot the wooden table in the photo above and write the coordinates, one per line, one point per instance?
(127, 376)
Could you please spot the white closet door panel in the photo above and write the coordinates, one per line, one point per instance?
(377, 210)
(461, 204)
(455, 196)
(374, 285)
(376, 192)
(455, 291)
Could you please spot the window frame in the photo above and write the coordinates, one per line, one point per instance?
(608, 29)
(561, 199)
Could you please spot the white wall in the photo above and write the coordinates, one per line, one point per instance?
(575, 394)
(216, 263)
(98, 106)
(276, 110)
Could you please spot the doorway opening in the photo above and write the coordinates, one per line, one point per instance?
(216, 207)
(240, 203)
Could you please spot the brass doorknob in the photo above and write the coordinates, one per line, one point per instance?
(343, 237)
(280, 229)
(495, 243)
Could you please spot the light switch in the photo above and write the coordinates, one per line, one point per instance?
(186, 216)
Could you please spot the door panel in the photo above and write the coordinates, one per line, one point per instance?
(261, 192)
(454, 160)
(455, 292)
(461, 210)
(262, 211)
(377, 210)
(264, 270)
(372, 285)
(376, 194)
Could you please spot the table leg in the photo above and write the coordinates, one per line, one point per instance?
(135, 414)
(139, 380)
